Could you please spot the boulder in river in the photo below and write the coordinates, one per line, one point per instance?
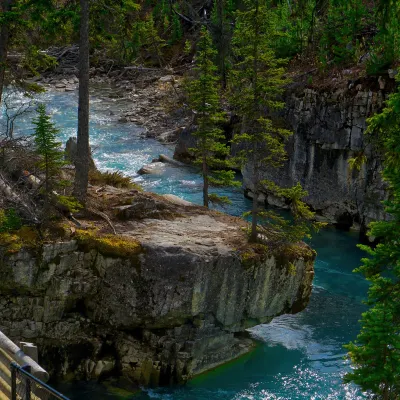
(154, 168)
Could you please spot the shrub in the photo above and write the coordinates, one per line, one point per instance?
(9, 220)
(116, 179)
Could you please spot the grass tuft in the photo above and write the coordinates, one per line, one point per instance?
(115, 178)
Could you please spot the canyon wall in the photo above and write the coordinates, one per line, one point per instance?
(328, 130)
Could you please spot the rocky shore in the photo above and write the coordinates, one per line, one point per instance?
(154, 96)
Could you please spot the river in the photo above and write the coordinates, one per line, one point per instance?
(299, 356)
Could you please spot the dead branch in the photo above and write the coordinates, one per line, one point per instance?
(103, 216)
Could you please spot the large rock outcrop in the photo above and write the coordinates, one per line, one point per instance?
(328, 130)
(160, 302)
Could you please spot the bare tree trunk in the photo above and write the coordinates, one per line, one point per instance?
(83, 150)
(254, 218)
(205, 183)
(4, 39)
(222, 45)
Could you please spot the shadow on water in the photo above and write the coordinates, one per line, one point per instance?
(300, 356)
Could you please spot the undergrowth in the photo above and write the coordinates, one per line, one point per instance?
(115, 178)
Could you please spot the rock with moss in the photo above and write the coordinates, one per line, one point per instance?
(162, 301)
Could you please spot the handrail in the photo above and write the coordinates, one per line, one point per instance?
(22, 371)
(21, 358)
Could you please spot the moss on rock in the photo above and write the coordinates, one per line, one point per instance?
(13, 242)
(109, 245)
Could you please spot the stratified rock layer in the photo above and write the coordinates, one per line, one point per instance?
(172, 309)
(328, 130)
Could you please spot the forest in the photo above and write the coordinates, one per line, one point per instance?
(283, 112)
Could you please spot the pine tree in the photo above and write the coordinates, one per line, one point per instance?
(376, 352)
(152, 40)
(222, 32)
(45, 136)
(211, 150)
(256, 81)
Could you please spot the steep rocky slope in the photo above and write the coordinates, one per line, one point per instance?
(328, 129)
(167, 298)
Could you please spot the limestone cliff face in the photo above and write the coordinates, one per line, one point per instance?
(328, 129)
(173, 309)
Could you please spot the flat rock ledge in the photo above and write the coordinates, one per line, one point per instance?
(174, 307)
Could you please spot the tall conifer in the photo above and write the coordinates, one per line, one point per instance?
(45, 136)
(256, 81)
(211, 150)
(375, 354)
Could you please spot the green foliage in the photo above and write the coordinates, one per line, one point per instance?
(34, 60)
(9, 220)
(70, 203)
(293, 25)
(357, 161)
(47, 147)
(386, 46)
(257, 80)
(188, 47)
(114, 178)
(211, 151)
(152, 41)
(118, 28)
(376, 352)
(177, 31)
(341, 41)
(222, 18)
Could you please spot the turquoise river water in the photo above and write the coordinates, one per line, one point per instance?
(299, 356)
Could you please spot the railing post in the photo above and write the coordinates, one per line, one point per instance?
(28, 384)
(13, 382)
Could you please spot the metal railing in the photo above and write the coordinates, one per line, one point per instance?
(25, 386)
(9, 351)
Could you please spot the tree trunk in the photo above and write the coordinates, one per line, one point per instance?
(83, 150)
(254, 215)
(205, 183)
(222, 45)
(4, 38)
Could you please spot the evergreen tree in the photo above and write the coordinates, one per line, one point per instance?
(45, 136)
(376, 352)
(222, 32)
(256, 81)
(153, 41)
(211, 150)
